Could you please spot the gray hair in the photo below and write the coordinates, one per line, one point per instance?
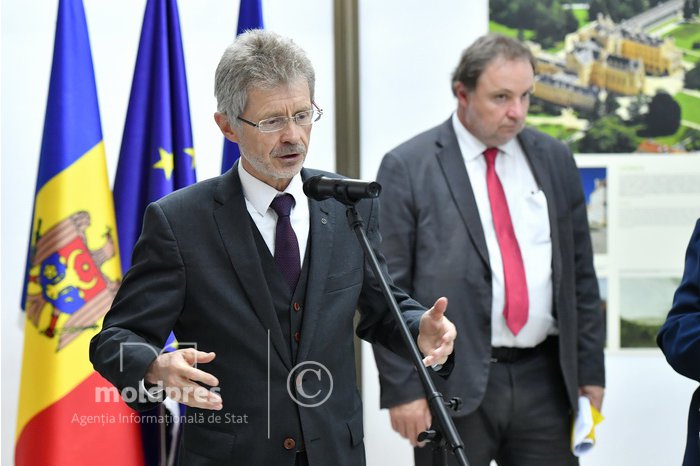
(258, 59)
(482, 52)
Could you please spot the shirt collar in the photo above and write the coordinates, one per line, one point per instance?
(260, 194)
(472, 148)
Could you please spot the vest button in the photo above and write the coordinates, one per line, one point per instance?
(297, 336)
(289, 443)
(297, 307)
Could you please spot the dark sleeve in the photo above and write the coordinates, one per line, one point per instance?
(144, 311)
(591, 325)
(377, 323)
(399, 382)
(679, 337)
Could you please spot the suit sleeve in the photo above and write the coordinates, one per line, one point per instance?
(144, 311)
(377, 323)
(398, 380)
(591, 325)
(679, 337)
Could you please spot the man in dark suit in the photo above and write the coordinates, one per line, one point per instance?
(493, 215)
(263, 283)
(679, 339)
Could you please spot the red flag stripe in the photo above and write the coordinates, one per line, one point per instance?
(88, 429)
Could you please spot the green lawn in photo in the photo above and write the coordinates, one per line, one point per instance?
(510, 32)
(538, 114)
(685, 34)
(690, 107)
(689, 138)
(672, 139)
(691, 57)
(556, 131)
(581, 15)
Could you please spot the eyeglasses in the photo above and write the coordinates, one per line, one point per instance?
(270, 125)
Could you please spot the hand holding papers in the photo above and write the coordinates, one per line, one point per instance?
(583, 429)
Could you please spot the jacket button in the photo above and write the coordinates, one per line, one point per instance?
(289, 443)
(297, 336)
(296, 307)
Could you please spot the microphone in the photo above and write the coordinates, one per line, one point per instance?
(345, 190)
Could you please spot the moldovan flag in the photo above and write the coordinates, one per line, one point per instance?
(68, 414)
(249, 17)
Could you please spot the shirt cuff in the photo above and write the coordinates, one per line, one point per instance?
(153, 394)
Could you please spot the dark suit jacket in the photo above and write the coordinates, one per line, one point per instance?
(196, 270)
(679, 339)
(434, 244)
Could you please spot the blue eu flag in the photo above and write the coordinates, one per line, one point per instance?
(156, 158)
(157, 153)
(249, 17)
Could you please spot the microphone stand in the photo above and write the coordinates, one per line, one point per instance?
(445, 435)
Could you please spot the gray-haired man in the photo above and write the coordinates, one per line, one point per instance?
(264, 282)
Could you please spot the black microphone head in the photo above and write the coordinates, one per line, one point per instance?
(373, 189)
(311, 188)
(345, 190)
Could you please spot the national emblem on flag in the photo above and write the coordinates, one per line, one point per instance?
(65, 279)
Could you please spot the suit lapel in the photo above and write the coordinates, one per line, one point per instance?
(455, 172)
(322, 218)
(541, 170)
(232, 218)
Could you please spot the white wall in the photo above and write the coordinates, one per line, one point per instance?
(408, 50)
(208, 26)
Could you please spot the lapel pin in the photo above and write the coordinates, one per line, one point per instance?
(323, 220)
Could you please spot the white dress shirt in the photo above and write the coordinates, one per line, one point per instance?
(258, 197)
(528, 210)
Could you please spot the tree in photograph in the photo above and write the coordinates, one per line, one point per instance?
(664, 117)
(547, 18)
(608, 135)
(691, 140)
(617, 10)
(552, 23)
(692, 78)
(688, 9)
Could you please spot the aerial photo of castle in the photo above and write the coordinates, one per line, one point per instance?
(612, 76)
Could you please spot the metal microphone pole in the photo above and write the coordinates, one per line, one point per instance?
(445, 436)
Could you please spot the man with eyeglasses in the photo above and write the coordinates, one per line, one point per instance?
(263, 283)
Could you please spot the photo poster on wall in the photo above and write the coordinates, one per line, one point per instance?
(611, 77)
(641, 212)
(619, 83)
(594, 181)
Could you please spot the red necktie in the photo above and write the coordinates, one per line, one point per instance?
(516, 299)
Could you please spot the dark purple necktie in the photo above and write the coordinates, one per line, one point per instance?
(286, 244)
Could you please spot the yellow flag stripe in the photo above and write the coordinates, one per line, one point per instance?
(48, 373)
